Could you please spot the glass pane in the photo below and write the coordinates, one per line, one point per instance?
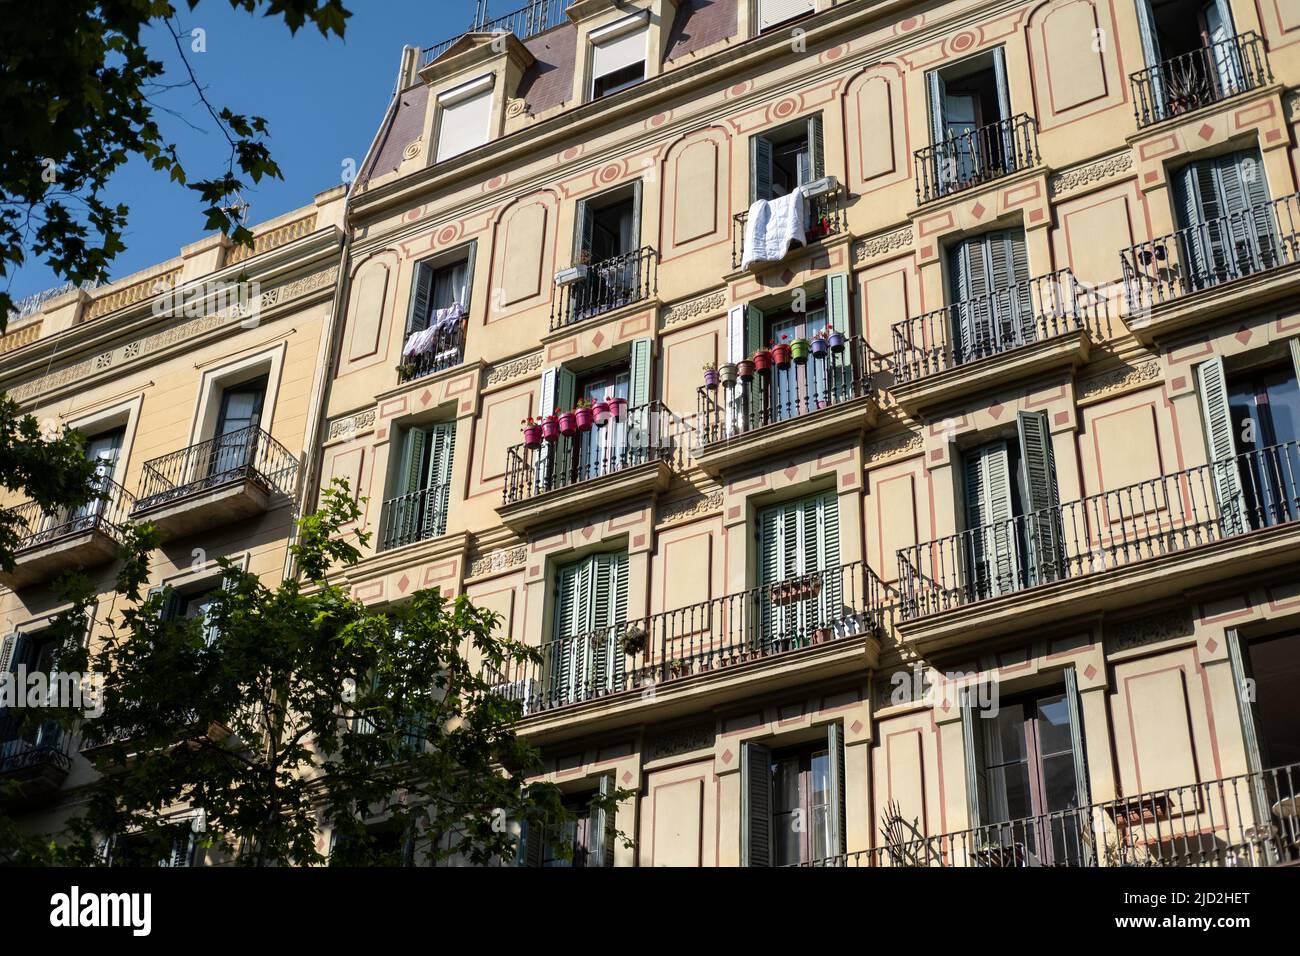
(1009, 796)
(1008, 743)
(787, 841)
(1058, 778)
(785, 789)
(1284, 408)
(1054, 726)
(819, 836)
(820, 783)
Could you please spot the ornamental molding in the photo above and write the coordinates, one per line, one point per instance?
(501, 559)
(692, 507)
(517, 106)
(897, 446)
(1139, 632)
(178, 334)
(1069, 180)
(1293, 106)
(1118, 380)
(680, 742)
(508, 371)
(679, 312)
(880, 245)
(412, 149)
(351, 425)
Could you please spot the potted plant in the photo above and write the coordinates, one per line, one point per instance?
(600, 412)
(799, 350)
(818, 346)
(677, 668)
(727, 374)
(568, 424)
(745, 369)
(762, 361)
(836, 339)
(616, 407)
(551, 426)
(532, 432)
(406, 369)
(633, 641)
(582, 415)
(781, 352)
(711, 378)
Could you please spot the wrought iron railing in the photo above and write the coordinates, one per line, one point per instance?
(529, 20)
(46, 743)
(107, 513)
(781, 395)
(608, 285)
(438, 349)
(978, 156)
(1247, 820)
(1208, 254)
(987, 325)
(825, 216)
(247, 454)
(799, 612)
(414, 517)
(628, 437)
(1206, 75)
(1149, 519)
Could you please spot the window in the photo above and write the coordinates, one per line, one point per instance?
(969, 104)
(607, 244)
(984, 322)
(588, 836)
(590, 607)
(1223, 209)
(618, 56)
(194, 603)
(422, 494)
(435, 325)
(1013, 536)
(792, 802)
(32, 653)
(781, 159)
(798, 570)
(239, 420)
(1193, 37)
(465, 118)
(1025, 763)
(772, 13)
(174, 847)
(1274, 665)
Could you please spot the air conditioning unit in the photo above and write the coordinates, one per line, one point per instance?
(570, 276)
(820, 187)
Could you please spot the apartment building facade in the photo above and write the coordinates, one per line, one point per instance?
(974, 543)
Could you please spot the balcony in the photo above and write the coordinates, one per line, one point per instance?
(528, 21)
(36, 763)
(819, 624)
(1211, 269)
(825, 216)
(431, 350)
(1025, 329)
(979, 156)
(1157, 538)
(414, 517)
(68, 540)
(218, 481)
(630, 456)
(820, 399)
(1208, 75)
(606, 286)
(1247, 820)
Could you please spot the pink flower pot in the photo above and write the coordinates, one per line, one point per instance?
(600, 412)
(568, 425)
(550, 428)
(583, 417)
(617, 408)
(532, 436)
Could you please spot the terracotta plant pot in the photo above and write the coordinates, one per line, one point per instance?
(711, 378)
(819, 348)
(745, 370)
(550, 428)
(762, 361)
(568, 424)
(584, 418)
(532, 436)
(600, 413)
(836, 341)
(799, 349)
(781, 355)
(727, 373)
(821, 635)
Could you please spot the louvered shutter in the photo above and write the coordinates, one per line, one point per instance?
(1151, 53)
(738, 396)
(770, 562)
(837, 302)
(976, 776)
(974, 319)
(608, 615)
(1006, 135)
(755, 805)
(567, 626)
(407, 509)
(1213, 385)
(760, 168)
(840, 370)
(442, 438)
(417, 318)
(600, 834)
(548, 399)
(532, 843)
(1295, 358)
(1074, 704)
(639, 382)
(816, 147)
(1200, 199)
(994, 567)
(9, 656)
(774, 12)
(1046, 559)
(938, 94)
(584, 218)
(1250, 229)
(835, 816)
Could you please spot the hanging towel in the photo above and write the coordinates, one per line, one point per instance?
(772, 226)
(442, 323)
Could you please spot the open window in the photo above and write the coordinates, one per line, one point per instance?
(612, 268)
(788, 156)
(586, 839)
(238, 429)
(970, 122)
(1193, 55)
(22, 743)
(618, 55)
(422, 492)
(436, 322)
(193, 602)
(792, 801)
(464, 118)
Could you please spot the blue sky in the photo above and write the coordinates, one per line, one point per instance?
(323, 100)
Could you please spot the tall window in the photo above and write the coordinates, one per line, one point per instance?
(435, 325)
(590, 608)
(1193, 41)
(988, 319)
(239, 419)
(1227, 224)
(618, 56)
(194, 603)
(786, 157)
(33, 652)
(587, 839)
(792, 802)
(464, 118)
(968, 103)
(418, 510)
(798, 571)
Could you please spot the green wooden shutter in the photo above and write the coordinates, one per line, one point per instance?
(584, 225)
(1074, 705)
(1042, 498)
(407, 510)
(608, 615)
(991, 535)
(816, 147)
(442, 438)
(568, 625)
(760, 168)
(1213, 385)
(1151, 53)
(639, 388)
(600, 838)
(938, 94)
(421, 298)
(532, 841)
(835, 812)
(636, 224)
(837, 302)
(976, 777)
(755, 805)
(973, 329)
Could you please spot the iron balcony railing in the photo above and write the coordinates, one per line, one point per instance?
(608, 285)
(781, 395)
(106, 513)
(413, 517)
(628, 438)
(438, 349)
(1159, 516)
(247, 454)
(529, 20)
(975, 157)
(825, 216)
(46, 743)
(1204, 76)
(1246, 820)
(978, 328)
(774, 619)
(1208, 254)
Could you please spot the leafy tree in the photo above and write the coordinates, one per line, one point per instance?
(296, 706)
(76, 81)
